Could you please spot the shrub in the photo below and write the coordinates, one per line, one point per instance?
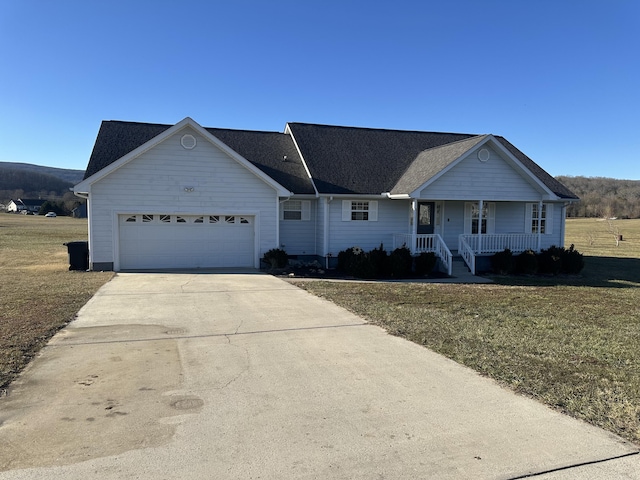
(379, 259)
(400, 262)
(425, 263)
(550, 260)
(502, 262)
(572, 261)
(354, 261)
(527, 263)
(277, 258)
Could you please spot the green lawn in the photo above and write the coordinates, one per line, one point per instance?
(570, 342)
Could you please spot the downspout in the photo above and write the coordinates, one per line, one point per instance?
(563, 221)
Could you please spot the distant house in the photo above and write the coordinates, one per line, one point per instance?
(25, 205)
(80, 211)
(184, 196)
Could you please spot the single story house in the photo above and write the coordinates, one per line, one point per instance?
(183, 196)
(25, 205)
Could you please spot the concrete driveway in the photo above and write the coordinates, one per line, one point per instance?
(244, 376)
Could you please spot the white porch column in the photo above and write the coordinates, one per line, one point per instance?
(480, 217)
(414, 226)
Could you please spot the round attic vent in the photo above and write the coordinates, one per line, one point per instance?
(188, 141)
(483, 155)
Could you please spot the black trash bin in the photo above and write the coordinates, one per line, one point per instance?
(78, 255)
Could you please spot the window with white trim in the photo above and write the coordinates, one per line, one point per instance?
(295, 210)
(476, 221)
(539, 220)
(359, 210)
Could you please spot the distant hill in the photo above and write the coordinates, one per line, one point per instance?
(68, 175)
(603, 197)
(23, 180)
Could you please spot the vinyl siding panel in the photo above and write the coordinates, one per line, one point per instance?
(470, 179)
(392, 218)
(298, 237)
(155, 182)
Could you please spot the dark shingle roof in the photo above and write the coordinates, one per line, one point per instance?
(341, 160)
(265, 150)
(116, 139)
(362, 160)
(430, 162)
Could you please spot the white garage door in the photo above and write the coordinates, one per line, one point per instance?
(156, 241)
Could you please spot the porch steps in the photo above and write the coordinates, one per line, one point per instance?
(459, 268)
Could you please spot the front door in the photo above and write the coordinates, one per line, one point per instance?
(426, 218)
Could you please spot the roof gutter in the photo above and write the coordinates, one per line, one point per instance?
(396, 196)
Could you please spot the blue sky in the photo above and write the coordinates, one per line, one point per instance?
(559, 79)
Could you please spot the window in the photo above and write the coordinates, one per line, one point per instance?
(214, 218)
(230, 219)
(360, 210)
(165, 218)
(476, 220)
(296, 210)
(131, 218)
(180, 219)
(539, 220)
(199, 220)
(479, 222)
(147, 218)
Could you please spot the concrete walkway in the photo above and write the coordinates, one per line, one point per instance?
(244, 376)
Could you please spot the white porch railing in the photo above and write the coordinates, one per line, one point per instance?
(471, 245)
(425, 243)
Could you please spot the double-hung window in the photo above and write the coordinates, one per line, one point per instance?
(359, 210)
(295, 210)
(476, 221)
(539, 220)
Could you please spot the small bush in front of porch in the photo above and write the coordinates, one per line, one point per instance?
(550, 260)
(502, 262)
(401, 262)
(356, 262)
(380, 260)
(527, 263)
(276, 258)
(572, 261)
(424, 263)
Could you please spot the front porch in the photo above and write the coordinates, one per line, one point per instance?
(469, 246)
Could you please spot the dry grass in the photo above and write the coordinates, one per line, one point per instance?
(38, 294)
(573, 343)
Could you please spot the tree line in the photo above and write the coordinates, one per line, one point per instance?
(603, 197)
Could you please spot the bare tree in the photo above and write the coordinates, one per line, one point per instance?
(614, 230)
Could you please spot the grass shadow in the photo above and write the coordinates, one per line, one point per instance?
(603, 272)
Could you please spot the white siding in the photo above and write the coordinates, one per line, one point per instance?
(298, 237)
(472, 179)
(392, 218)
(155, 182)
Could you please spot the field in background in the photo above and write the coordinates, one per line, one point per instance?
(597, 237)
(38, 293)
